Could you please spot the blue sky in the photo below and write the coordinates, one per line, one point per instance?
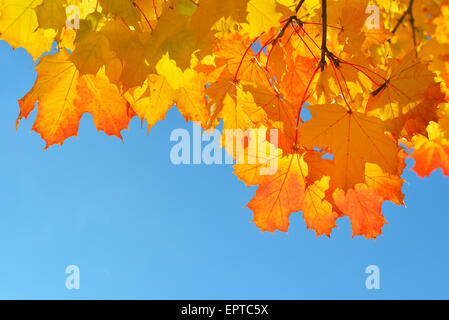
(140, 227)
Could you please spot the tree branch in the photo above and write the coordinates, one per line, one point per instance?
(288, 22)
(408, 12)
(401, 19)
(324, 50)
(299, 6)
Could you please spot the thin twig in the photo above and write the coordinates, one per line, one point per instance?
(409, 13)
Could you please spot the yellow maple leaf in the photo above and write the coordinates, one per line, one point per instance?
(19, 27)
(353, 138)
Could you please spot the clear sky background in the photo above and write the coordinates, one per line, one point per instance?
(140, 227)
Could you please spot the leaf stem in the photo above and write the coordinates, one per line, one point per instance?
(243, 57)
(143, 14)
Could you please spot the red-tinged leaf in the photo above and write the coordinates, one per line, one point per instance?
(363, 206)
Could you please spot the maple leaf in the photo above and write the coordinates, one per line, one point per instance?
(174, 35)
(295, 79)
(363, 203)
(363, 206)
(262, 16)
(318, 212)
(388, 186)
(351, 18)
(278, 194)
(244, 67)
(129, 47)
(222, 94)
(227, 99)
(63, 97)
(280, 113)
(431, 153)
(210, 12)
(19, 27)
(124, 9)
(289, 189)
(152, 100)
(51, 14)
(353, 138)
(189, 86)
(92, 50)
(400, 91)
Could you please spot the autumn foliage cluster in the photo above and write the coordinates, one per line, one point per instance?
(376, 94)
